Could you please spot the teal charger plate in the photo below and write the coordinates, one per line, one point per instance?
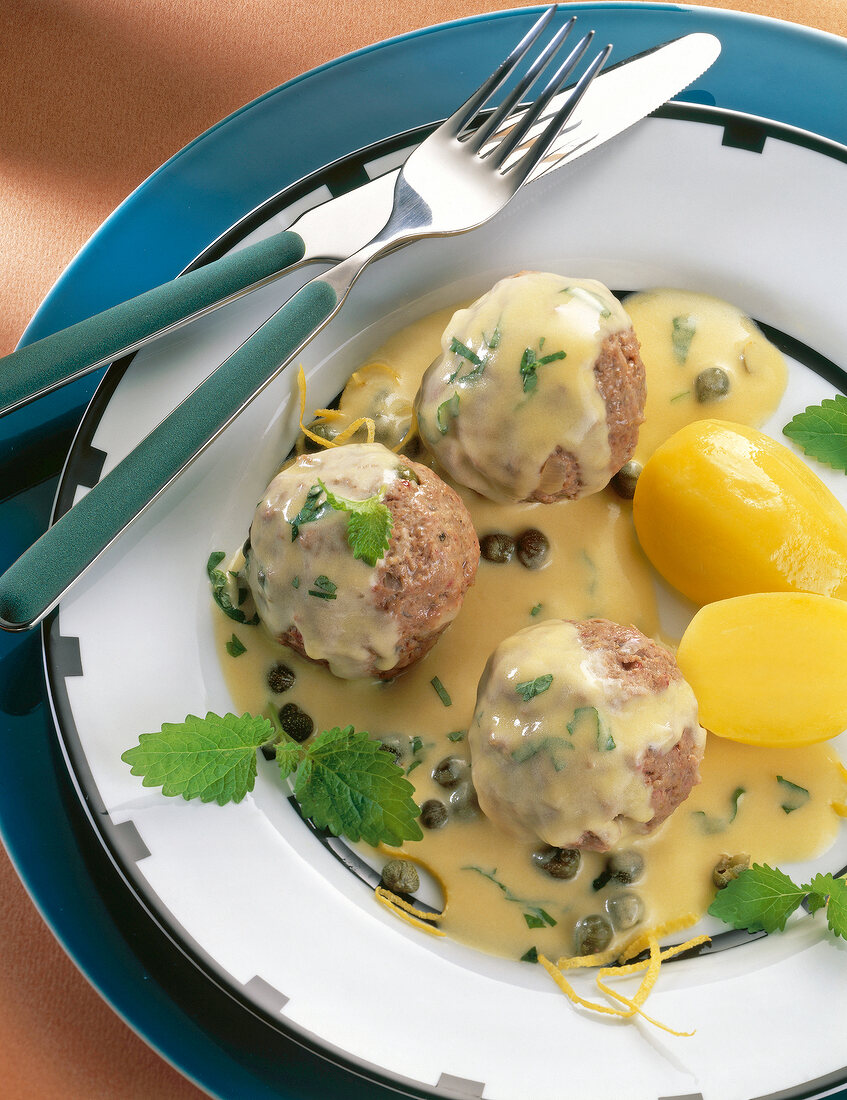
(188, 203)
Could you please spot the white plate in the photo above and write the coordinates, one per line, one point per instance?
(711, 201)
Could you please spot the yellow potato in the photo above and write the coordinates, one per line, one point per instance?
(769, 668)
(722, 509)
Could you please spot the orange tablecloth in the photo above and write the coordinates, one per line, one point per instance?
(95, 95)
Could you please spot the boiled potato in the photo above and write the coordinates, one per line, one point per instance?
(722, 510)
(769, 668)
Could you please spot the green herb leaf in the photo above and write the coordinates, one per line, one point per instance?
(458, 348)
(369, 525)
(530, 956)
(313, 508)
(220, 590)
(530, 688)
(347, 784)
(534, 915)
(587, 720)
(441, 692)
(288, 755)
(211, 758)
(682, 333)
(323, 588)
(821, 431)
(836, 907)
(445, 412)
(589, 298)
(554, 746)
(535, 610)
(235, 647)
(710, 825)
(761, 898)
(456, 735)
(794, 796)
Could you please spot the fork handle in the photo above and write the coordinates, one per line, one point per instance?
(46, 364)
(35, 583)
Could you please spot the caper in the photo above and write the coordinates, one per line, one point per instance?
(296, 723)
(449, 771)
(433, 814)
(728, 868)
(592, 934)
(533, 548)
(711, 384)
(497, 547)
(625, 910)
(626, 866)
(400, 876)
(280, 678)
(625, 479)
(463, 801)
(558, 862)
(398, 747)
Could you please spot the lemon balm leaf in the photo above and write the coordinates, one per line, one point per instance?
(762, 898)
(211, 758)
(835, 890)
(369, 525)
(821, 431)
(346, 783)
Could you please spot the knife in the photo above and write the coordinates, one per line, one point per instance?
(35, 583)
(329, 232)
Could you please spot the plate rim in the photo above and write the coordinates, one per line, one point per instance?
(102, 825)
(53, 313)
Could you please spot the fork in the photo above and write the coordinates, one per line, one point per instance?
(456, 180)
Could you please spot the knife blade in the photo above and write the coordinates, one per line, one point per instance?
(620, 96)
(33, 585)
(331, 231)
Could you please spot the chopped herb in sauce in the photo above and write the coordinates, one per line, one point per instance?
(445, 412)
(682, 333)
(441, 692)
(313, 508)
(295, 583)
(530, 688)
(235, 647)
(589, 298)
(323, 588)
(679, 396)
(456, 735)
(530, 363)
(530, 956)
(588, 720)
(534, 915)
(710, 824)
(794, 796)
(535, 610)
(221, 590)
(554, 746)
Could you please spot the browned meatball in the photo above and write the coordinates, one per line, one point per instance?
(314, 595)
(584, 733)
(539, 390)
(622, 384)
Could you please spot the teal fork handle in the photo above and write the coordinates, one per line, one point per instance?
(45, 365)
(35, 583)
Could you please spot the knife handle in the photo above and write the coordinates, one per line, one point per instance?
(46, 364)
(35, 583)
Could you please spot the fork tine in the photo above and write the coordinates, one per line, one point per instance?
(461, 117)
(492, 123)
(511, 141)
(541, 146)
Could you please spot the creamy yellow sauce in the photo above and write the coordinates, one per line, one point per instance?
(596, 569)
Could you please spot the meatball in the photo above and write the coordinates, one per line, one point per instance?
(315, 596)
(583, 733)
(538, 392)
